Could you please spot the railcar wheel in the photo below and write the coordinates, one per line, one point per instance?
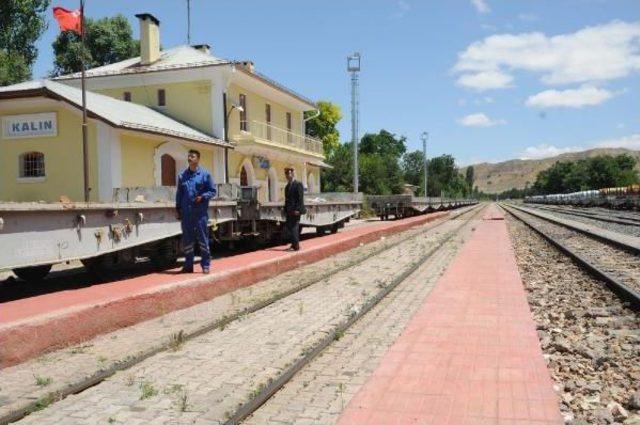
(334, 229)
(32, 274)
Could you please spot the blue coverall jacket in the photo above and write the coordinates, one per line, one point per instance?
(195, 216)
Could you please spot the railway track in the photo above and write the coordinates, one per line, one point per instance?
(588, 334)
(609, 218)
(274, 383)
(615, 263)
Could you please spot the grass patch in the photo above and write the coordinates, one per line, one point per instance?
(176, 340)
(43, 381)
(147, 390)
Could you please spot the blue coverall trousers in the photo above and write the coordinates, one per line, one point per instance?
(194, 228)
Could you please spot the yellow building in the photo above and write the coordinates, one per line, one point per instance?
(144, 114)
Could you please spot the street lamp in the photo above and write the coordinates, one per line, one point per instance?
(424, 136)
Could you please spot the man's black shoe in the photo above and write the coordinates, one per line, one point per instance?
(186, 270)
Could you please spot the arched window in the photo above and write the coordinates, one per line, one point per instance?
(32, 164)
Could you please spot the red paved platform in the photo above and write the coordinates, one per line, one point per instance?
(33, 325)
(470, 355)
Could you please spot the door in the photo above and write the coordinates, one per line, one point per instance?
(244, 180)
(168, 165)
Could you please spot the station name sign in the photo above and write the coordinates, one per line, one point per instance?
(29, 125)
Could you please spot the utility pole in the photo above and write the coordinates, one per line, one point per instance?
(189, 22)
(353, 66)
(85, 148)
(424, 136)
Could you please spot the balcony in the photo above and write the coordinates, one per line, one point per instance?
(267, 134)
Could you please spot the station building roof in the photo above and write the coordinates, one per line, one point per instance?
(180, 58)
(118, 113)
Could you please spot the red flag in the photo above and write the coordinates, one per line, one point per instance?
(68, 19)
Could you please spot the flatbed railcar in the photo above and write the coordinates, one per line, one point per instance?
(406, 205)
(624, 198)
(141, 222)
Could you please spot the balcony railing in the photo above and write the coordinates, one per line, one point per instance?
(285, 138)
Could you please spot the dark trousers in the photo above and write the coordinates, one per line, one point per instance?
(293, 229)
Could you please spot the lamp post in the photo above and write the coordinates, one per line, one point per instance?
(353, 66)
(424, 136)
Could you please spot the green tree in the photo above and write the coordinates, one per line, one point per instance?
(323, 126)
(22, 22)
(340, 177)
(470, 176)
(384, 143)
(413, 169)
(379, 175)
(586, 174)
(445, 178)
(107, 40)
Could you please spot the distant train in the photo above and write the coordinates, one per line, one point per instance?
(626, 197)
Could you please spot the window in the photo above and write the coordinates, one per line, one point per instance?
(32, 164)
(127, 96)
(289, 127)
(267, 118)
(243, 113)
(162, 99)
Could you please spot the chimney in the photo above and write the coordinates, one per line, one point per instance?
(149, 38)
(248, 65)
(204, 48)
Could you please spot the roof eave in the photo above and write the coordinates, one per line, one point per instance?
(45, 92)
(277, 86)
(71, 77)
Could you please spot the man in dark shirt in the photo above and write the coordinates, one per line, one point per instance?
(293, 207)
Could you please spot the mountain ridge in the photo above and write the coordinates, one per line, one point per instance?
(517, 173)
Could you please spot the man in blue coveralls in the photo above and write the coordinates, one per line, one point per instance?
(195, 188)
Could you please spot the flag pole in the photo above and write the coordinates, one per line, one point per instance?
(85, 159)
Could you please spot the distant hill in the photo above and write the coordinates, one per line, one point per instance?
(496, 178)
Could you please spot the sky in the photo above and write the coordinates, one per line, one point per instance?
(488, 80)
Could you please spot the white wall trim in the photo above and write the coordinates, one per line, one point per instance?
(275, 185)
(311, 188)
(109, 161)
(31, 179)
(177, 151)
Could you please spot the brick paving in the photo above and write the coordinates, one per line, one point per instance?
(470, 355)
(18, 386)
(206, 379)
(322, 389)
(32, 325)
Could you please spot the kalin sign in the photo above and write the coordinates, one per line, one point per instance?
(29, 125)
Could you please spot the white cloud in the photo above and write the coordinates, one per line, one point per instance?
(597, 53)
(481, 6)
(545, 151)
(572, 98)
(479, 120)
(485, 80)
(629, 142)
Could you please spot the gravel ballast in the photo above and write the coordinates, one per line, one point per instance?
(590, 339)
